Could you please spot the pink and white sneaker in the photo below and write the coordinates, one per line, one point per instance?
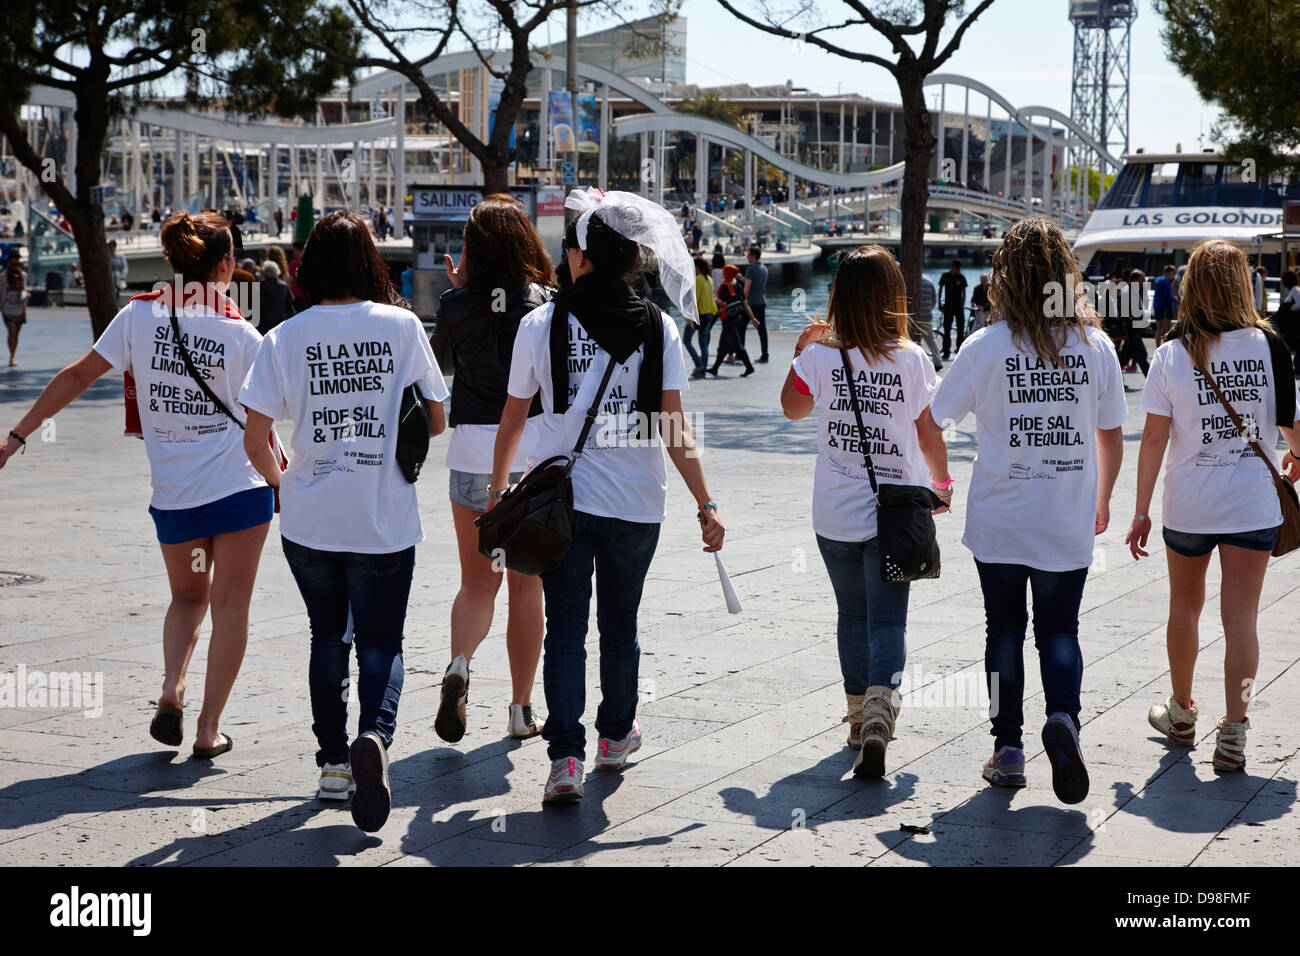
(612, 754)
(564, 785)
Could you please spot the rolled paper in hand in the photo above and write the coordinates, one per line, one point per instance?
(728, 592)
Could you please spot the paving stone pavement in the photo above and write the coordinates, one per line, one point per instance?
(744, 761)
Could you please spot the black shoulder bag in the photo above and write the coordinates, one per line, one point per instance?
(211, 396)
(905, 534)
(531, 528)
(412, 433)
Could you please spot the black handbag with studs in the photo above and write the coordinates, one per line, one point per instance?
(905, 533)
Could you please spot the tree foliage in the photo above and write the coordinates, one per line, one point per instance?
(1243, 56)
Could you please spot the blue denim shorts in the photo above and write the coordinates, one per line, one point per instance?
(1191, 545)
(470, 490)
(243, 509)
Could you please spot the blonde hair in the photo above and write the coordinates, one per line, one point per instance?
(276, 254)
(1032, 262)
(868, 303)
(1218, 296)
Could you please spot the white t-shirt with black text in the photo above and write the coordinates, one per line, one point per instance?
(196, 453)
(338, 371)
(617, 475)
(1033, 494)
(1214, 481)
(891, 395)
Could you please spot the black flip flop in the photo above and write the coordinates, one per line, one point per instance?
(167, 727)
(207, 753)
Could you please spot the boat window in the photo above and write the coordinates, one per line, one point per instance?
(1237, 187)
(1127, 188)
(1197, 184)
(1160, 187)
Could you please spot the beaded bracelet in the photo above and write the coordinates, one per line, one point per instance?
(711, 506)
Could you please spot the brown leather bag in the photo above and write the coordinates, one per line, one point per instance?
(1288, 536)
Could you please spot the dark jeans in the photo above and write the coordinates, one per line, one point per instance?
(1133, 350)
(871, 627)
(760, 313)
(375, 587)
(1056, 596)
(620, 552)
(948, 319)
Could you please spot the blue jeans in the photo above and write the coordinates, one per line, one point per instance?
(700, 332)
(375, 587)
(620, 552)
(1056, 596)
(872, 624)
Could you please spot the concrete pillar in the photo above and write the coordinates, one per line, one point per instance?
(193, 171)
(988, 144)
(602, 161)
(701, 170)
(354, 191)
(273, 177)
(178, 172)
(661, 140)
(1029, 167)
(399, 200)
(1010, 142)
(749, 184)
(544, 147)
(646, 172)
(940, 157)
(841, 149)
(965, 140)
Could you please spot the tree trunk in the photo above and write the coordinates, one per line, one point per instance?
(496, 176)
(920, 145)
(87, 223)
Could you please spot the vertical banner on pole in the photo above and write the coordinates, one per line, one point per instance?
(561, 103)
(588, 124)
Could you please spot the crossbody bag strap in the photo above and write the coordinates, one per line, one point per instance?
(1241, 428)
(194, 373)
(857, 413)
(592, 412)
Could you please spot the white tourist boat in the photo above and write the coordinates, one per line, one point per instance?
(1161, 205)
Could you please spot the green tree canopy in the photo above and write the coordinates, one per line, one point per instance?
(1244, 56)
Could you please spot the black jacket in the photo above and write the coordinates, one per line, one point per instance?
(475, 347)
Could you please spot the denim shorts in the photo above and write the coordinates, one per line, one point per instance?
(1191, 545)
(470, 490)
(237, 512)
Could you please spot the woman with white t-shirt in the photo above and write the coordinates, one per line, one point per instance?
(893, 381)
(349, 519)
(1048, 396)
(619, 482)
(211, 509)
(504, 274)
(1218, 494)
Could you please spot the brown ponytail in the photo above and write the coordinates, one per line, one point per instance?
(195, 244)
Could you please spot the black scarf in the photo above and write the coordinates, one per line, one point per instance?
(620, 322)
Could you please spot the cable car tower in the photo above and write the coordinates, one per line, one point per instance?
(1099, 94)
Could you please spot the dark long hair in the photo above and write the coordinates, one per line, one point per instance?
(613, 256)
(503, 250)
(340, 261)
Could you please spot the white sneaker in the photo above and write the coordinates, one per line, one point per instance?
(612, 754)
(564, 785)
(522, 724)
(335, 782)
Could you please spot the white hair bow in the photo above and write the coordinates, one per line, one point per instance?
(647, 224)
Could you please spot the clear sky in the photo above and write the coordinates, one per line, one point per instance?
(1021, 48)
